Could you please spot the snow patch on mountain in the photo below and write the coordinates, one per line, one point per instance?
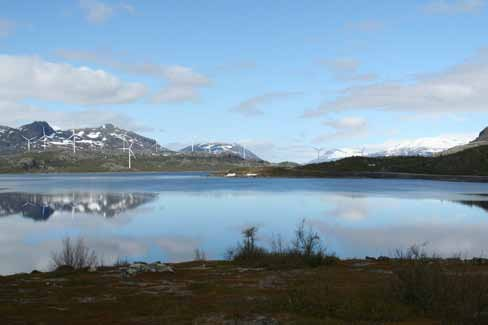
(427, 147)
(219, 148)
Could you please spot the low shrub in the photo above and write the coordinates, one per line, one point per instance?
(307, 249)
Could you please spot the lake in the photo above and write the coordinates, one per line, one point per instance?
(166, 216)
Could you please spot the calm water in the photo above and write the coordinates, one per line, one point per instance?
(166, 216)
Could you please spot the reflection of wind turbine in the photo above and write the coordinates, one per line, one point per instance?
(319, 150)
(73, 136)
(44, 138)
(28, 142)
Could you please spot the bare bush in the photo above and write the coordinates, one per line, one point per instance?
(307, 249)
(199, 255)
(76, 255)
(120, 262)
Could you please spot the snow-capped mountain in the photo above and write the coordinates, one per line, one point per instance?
(219, 148)
(337, 154)
(43, 137)
(426, 147)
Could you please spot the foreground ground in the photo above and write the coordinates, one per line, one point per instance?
(349, 292)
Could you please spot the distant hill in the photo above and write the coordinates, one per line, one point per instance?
(426, 147)
(481, 140)
(219, 148)
(463, 165)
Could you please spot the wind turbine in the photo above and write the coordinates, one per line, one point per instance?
(28, 142)
(44, 138)
(73, 136)
(131, 154)
(243, 152)
(124, 141)
(319, 150)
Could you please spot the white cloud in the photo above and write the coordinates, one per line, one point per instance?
(30, 77)
(347, 69)
(454, 6)
(183, 83)
(97, 11)
(252, 106)
(346, 127)
(6, 27)
(462, 88)
(15, 114)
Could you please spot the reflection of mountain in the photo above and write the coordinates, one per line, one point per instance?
(42, 206)
(480, 204)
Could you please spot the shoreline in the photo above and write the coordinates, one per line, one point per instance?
(287, 174)
(367, 175)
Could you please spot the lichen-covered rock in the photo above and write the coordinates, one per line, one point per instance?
(141, 267)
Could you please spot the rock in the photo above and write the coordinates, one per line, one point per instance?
(141, 267)
(369, 258)
(92, 268)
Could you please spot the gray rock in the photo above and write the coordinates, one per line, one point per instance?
(140, 267)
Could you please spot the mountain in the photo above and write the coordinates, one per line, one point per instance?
(218, 148)
(481, 140)
(106, 138)
(337, 154)
(424, 147)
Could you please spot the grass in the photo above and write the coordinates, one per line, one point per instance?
(296, 282)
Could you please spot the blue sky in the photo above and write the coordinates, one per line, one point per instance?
(280, 77)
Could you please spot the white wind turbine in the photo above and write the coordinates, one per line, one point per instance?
(73, 137)
(319, 150)
(28, 142)
(44, 138)
(243, 152)
(124, 141)
(131, 154)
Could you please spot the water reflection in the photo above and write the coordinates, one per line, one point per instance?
(472, 203)
(40, 207)
(166, 217)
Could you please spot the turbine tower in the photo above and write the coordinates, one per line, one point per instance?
(131, 154)
(44, 138)
(28, 142)
(319, 150)
(73, 136)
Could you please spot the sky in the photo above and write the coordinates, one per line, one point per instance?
(280, 77)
